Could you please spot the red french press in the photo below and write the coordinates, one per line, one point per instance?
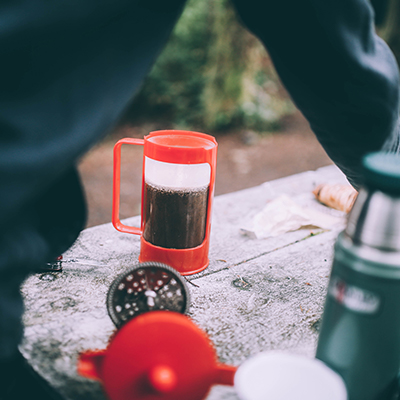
(177, 194)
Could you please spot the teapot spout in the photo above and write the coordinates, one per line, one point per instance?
(90, 364)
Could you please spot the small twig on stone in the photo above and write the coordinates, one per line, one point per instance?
(245, 283)
(187, 280)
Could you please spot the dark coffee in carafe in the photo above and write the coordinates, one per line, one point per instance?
(175, 218)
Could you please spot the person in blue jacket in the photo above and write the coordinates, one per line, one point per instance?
(69, 68)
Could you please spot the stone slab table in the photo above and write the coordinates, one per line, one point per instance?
(256, 295)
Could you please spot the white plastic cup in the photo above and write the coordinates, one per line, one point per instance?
(282, 376)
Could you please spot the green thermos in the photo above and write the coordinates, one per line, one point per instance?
(360, 331)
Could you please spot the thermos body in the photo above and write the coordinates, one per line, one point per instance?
(360, 331)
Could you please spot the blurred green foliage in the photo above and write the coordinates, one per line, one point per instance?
(387, 18)
(213, 75)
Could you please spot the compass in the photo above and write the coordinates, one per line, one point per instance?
(148, 286)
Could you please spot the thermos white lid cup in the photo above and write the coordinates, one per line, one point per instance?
(281, 376)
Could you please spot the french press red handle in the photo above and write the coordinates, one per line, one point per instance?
(117, 186)
(177, 194)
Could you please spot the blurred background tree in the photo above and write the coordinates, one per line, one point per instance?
(387, 20)
(212, 76)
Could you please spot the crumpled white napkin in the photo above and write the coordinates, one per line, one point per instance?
(283, 215)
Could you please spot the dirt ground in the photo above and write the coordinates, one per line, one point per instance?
(245, 159)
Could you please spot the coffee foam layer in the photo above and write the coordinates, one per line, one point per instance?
(177, 176)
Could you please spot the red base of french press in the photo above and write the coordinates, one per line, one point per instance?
(182, 260)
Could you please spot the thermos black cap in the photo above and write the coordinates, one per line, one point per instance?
(382, 172)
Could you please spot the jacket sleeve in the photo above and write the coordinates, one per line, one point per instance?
(339, 73)
(68, 72)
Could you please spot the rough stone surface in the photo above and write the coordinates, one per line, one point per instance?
(256, 295)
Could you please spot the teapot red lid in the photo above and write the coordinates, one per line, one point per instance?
(160, 355)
